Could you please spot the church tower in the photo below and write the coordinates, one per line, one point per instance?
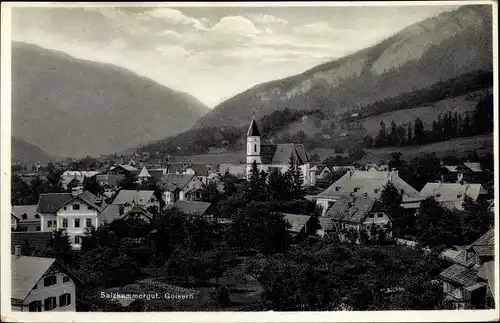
(253, 146)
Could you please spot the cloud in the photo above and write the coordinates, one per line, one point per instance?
(314, 28)
(172, 16)
(235, 25)
(266, 19)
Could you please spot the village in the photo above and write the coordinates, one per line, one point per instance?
(228, 236)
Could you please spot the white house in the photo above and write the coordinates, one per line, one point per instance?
(368, 184)
(74, 213)
(276, 156)
(452, 194)
(25, 218)
(181, 187)
(41, 284)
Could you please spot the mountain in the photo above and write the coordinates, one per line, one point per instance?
(27, 153)
(72, 108)
(437, 49)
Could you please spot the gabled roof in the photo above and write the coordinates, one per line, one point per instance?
(86, 197)
(144, 173)
(192, 207)
(353, 210)
(483, 246)
(326, 223)
(110, 213)
(367, 182)
(157, 173)
(253, 130)
(199, 169)
(452, 194)
(50, 202)
(297, 221)
(136, 209)
(460, 274)
(487, 272)
(170, 182)
(29, 210)
(475, 167)
(140, 197)
(280, 154)
(26, 272)
(235, 170)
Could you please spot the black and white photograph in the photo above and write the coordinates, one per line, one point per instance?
(213, 158)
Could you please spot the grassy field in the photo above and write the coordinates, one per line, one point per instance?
(229, 157)
(458, 147)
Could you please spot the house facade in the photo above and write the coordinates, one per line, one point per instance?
(276, 156)
(25, 218)
(452, 195)
(126, 199)
(41, 285)
(354, 217)
(469, 282)
(181, 187)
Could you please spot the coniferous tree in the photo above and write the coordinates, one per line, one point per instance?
(410, 133)
(419, 131)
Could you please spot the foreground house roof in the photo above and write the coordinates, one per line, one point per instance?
(192, 207)
(353, 210)
(140, 197)
(170, 182)
(297, 221)
(30, 210)
(50, 202)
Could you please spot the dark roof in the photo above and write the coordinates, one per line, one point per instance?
(110, 179)
(35, 240)
(170, 182)
(280, 154)
(192, 207)
(156, 173)
(30, 210)
(199, 169)
(50, 202)
(352, 209)
(460, 274)
(487, 239)
(110, 213)
(88, 198)
(297, 221)
(253, 130)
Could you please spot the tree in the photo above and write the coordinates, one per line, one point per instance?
(483, 116)
(477, 219)
(21, 192)
(277, 188)
(59, 247)
(419, 131)
(255, 190)
(129, 182)
(90, 184)
(74, 183)
(315, 157)
(410, 134)
(229, 182)
(54, 178)
(210, 193)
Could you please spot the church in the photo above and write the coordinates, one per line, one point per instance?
(269, 157)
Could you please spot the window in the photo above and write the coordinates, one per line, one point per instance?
(50, 303)
(380, 215)
(37, 216)
(76, 206)
(24, 216)
(89, 208)
(65, 279)
(38, 228)
(88, 222)
(65, 208)
(370, 215)
(78, 240)
(64, 300)
(77, 223)
(254, 148)
(65, 223)
(35, 306)
(49, 280)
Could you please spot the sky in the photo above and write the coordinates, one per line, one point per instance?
(213, 53)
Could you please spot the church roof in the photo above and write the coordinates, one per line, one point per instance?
(253, 130)
(280, 154)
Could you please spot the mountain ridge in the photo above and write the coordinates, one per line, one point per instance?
(436, 49)
(66, 106)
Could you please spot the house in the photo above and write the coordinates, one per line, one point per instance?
(138, 212)
(41, 284)
(28, 218)
(452, 195)
(74, 212)
(278, 156)
(143, 175)
(322, 171)
(369, 184)
(238, 171)
(13, 222)
(340, 168)
(469, 283)
(195, 208)
(301, 225)
(110, 183)
(122, 169)
(200, 170)
(180, 187)
(363, 215)
(80, 176)
(469, 172)
(126, 199)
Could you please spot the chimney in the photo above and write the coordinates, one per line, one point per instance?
(18, 250)
(98, 201)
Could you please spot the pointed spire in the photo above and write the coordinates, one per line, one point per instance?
(253, 130)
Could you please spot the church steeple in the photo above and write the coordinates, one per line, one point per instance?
(253, 130)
